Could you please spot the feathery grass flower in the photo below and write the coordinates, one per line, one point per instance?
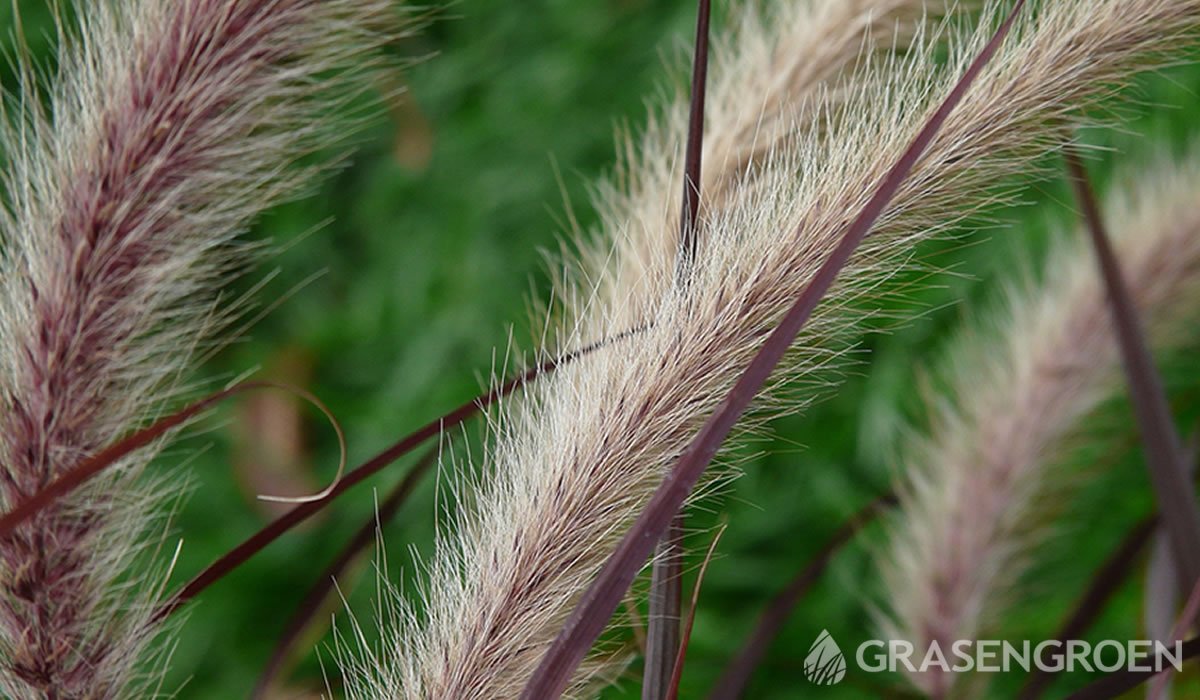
(975, 486)
(576, 458)
(169, 126)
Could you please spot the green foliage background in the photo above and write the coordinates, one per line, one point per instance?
(429, 264)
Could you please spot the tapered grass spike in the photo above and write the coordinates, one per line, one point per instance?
(666, 575)
(605, 593)
(1165, 457)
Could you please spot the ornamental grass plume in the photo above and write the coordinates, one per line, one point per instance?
(777, 65)
(167, 128)
(976, 484)
(575, 458)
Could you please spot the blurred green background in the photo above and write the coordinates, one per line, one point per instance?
(429, 246)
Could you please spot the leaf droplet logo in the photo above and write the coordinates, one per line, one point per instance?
(825, 664)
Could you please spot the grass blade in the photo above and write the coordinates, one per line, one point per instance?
(737, 674)
(1190, 609)
(316, 597)
(1160, 598)
(695, 139)
(281, 525)
(1160, 592)
(677, 674)
(1164, 453)
(1107, 580)
(663, 613)
(607, 590)
(80, 474)
(666, 577)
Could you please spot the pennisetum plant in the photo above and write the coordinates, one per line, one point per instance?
(165, 130)
(577, 458)
(752, 231)
(981, 485)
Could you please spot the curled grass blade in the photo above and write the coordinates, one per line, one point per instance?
(323, 588)
(281, 525)
(81, 473)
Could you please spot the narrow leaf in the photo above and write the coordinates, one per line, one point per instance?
(80, 474)
(1190, 610)
(602, 598)
(666, 576)
(663, 613)
(1107, 580)
(1160, 596)
(677, 674)
(1160, 592)
(1164, 453)
(281, 525)
(737, 675)
(695, 139)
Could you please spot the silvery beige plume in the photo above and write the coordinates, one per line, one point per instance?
(976, 484)
(169, 126)
(777, 66)
(575, 459)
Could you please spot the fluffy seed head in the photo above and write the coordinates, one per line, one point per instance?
(976, 484)
(169, 126)
(575, 459)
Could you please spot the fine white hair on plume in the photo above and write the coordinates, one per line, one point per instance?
(775, 72)
(576, 457)
(167, 127)
(974, 489)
